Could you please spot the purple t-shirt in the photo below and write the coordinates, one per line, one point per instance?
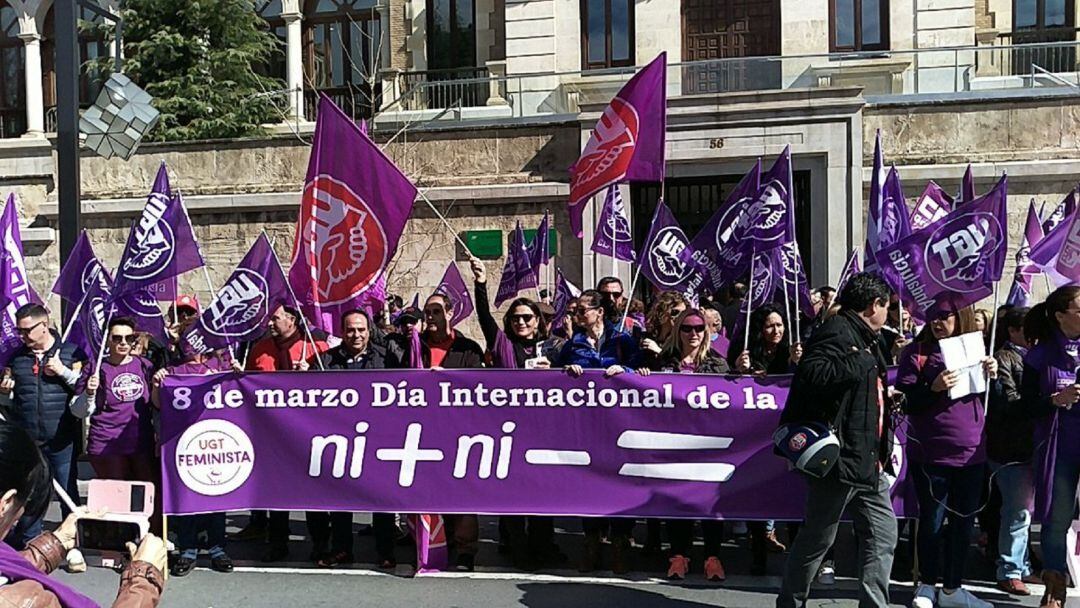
(121, 424)
(947, 431)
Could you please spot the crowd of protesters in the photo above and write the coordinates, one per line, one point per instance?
(1009, 460)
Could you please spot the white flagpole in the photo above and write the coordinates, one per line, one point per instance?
(74, 316)
(104, 340)
(303, 319)
(637, 271)
(993, 334)
(443, 218)
(749, 300)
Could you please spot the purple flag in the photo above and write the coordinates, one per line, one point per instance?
(15, 289)
(967, 187)
(874, 208)
(717, 247)
(160, 246)
(78, 271)
(789, 261)
(1064, 209)
(612, 236)
(564, 292)
(243, 304)
(850, 269)
(88, 327)
(352, 214)
(663, 259)
(1068, 259)
(627, 142)
(517, 273)
(1046, 253)
(1020, 291)
(892, 216)
(933, 205)
(453, 286)
(540, 247)
(141, 306)
(953, 262)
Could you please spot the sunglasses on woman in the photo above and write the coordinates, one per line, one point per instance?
(130, 339)
(526, 318)
(698, 329)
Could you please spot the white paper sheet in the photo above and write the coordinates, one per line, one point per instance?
(964, 354)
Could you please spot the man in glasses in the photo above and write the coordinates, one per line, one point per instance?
(612, 299)
(443, 347)
(41, 378)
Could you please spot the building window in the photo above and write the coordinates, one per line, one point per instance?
(451, 34)
(12, 93)
(607, 34)
(859, 25)
(1042, 14)
(274, 66)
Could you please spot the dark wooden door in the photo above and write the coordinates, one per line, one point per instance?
(727, 29)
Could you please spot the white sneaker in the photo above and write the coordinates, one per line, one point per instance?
(961, 598)
(826, 575)
(924, 597)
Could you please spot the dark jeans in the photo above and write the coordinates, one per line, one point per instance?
(188, 528)
(335, 529)
(960, 490)
(681, 536)
(277, 528)
(621, 527)
(60, 461)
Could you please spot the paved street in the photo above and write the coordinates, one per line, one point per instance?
(295, 583)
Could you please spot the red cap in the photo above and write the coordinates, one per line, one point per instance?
(187, 301)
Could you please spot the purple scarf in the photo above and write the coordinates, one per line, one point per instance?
(14, 567)
(1053, 359)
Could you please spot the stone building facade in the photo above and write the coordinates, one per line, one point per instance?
(485, 103)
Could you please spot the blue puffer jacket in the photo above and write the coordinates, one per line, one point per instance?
(40, 401)
(616, 348)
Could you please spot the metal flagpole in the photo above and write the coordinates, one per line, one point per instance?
(303, 319)
(74, 315)
(749, 300)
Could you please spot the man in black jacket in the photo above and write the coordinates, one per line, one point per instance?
(841, 381)
(42, 376)
(359, 349)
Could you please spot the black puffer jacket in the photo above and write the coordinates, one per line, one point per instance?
(1010, 429)
(40, 401)
(837, 382)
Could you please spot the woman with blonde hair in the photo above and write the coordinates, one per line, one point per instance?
(687, 350)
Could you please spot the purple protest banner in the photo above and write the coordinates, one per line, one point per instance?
(892, 218)
(1068, 258)
(1045, 254)
(243, 304)
(627, 142)
(352, 214)
(663, 258)
(78, 271)
(160, 246)
(453, 286)
(15, 290)
(1020, 291)
(612, 236)
(953, 262)
(850, 269)
(564, 292)
(718, 246)
(789, 260)
(933, 205)
(88, 327)
(1063, 210)
(540, 247)
(518, 273)
(477, 441)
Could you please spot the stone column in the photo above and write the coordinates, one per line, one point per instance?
(35, 104)
(294, 60)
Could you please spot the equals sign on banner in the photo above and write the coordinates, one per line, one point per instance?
(715, 472)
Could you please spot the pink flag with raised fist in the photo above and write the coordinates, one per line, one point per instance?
(353, 211)
(627, 143)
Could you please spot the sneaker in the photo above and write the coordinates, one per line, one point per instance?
(1014, 586)
(75, 561)
(925, 597)
(826, 574)
(677, 569)
(961, 598)
(714, 570)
